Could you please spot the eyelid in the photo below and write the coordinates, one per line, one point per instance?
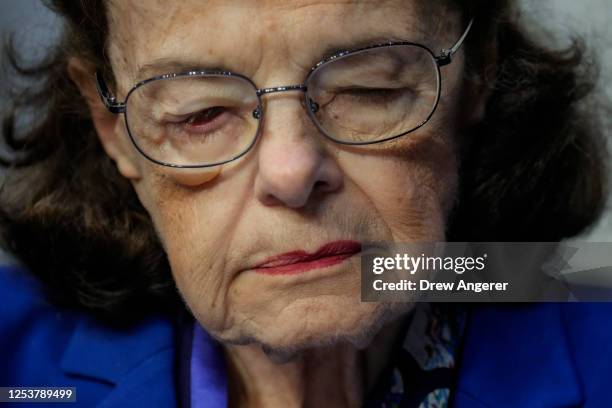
(370, 85)
(159, 112)
(225, 92)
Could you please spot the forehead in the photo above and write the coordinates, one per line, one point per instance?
(248, 36)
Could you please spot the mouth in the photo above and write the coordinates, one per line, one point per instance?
(295, 262)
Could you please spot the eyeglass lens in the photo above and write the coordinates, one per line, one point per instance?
(363, 97)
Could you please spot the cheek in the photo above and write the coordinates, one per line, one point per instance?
(196, 248)
(183, 203)
(413, 189)
(188, 220)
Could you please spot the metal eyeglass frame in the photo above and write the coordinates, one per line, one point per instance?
(445, 57)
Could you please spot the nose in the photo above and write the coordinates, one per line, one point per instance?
(294, 166)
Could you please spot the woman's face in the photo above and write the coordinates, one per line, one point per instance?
(296, 190)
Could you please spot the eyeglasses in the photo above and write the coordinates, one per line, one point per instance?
(356, 97)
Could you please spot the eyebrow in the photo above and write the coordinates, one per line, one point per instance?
(168, 65)
(334, 49)
(417, 35)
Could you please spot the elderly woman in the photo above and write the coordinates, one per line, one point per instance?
(237, 155)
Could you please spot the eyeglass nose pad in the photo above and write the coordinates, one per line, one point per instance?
(257, 113)
(313, 106)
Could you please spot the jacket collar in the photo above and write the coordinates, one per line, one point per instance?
(141, 358)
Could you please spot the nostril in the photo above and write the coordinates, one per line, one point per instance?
(320, 185)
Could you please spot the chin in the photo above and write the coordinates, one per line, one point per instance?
(308, 324)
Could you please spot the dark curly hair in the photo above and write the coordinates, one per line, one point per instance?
(532, 170)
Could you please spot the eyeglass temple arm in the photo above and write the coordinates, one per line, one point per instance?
(107, 98)
(446, 55)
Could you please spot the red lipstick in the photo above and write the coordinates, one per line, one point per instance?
(294, 262)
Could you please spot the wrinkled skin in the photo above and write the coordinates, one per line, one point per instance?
(295, 189)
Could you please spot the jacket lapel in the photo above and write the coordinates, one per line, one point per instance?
(517, 356)
(138, 362)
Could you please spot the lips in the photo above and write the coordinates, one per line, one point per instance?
(291, 263)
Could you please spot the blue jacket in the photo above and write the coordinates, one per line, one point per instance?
(538, 355)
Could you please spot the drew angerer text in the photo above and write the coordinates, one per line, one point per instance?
(425, 285)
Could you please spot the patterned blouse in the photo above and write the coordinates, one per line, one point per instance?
(424, 373)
